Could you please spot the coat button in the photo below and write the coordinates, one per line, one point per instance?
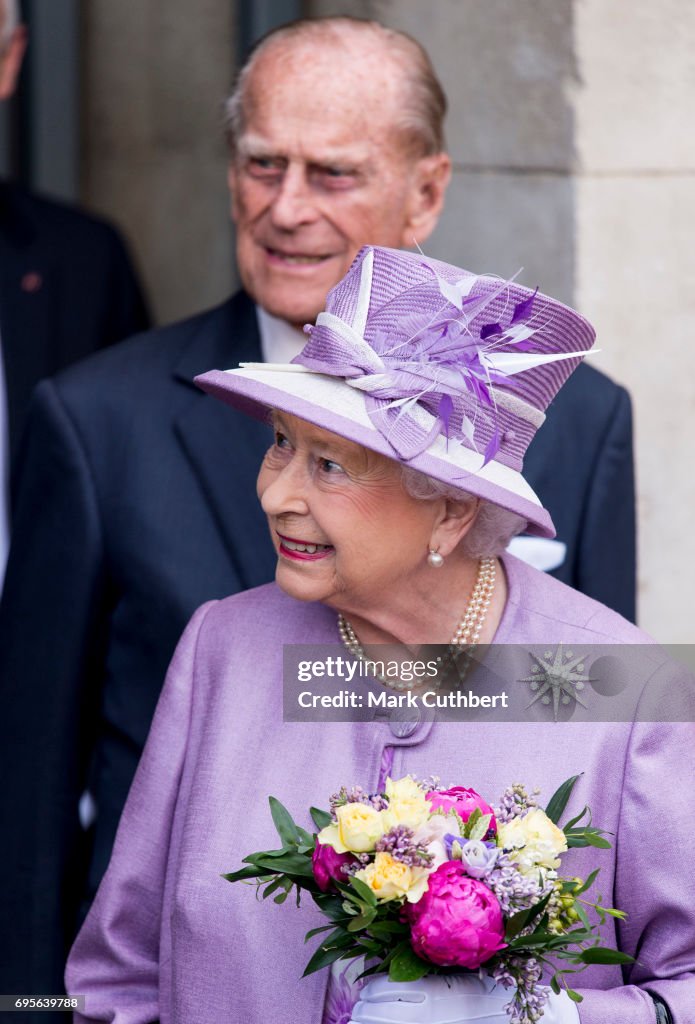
(404, 727)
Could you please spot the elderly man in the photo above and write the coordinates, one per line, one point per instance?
(146, 487)
(67, 287)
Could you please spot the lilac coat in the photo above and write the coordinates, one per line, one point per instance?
(168, 939)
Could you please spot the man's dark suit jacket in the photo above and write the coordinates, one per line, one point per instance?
(136, 503)
(67, 288)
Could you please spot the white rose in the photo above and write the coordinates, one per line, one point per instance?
(533, 841)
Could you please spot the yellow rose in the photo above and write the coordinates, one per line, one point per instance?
(407, 804)
(358, 830)
(535, 840)
(390, 879)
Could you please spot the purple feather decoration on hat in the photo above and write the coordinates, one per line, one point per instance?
(411, 354)
(523, 309)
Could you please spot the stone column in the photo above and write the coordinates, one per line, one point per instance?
(155, 76)
(571, 129)
(634, 246)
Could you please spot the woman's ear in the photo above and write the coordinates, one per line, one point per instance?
(456, 520)
(431, 175)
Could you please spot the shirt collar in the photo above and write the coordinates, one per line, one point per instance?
(280, 341)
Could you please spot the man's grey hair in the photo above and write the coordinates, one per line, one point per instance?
(9, 20)
(421, 121)
(493, 528)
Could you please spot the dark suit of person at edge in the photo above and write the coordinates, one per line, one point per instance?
(336, 133)
(67, 286)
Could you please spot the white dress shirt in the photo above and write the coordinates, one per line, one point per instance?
(280, 341)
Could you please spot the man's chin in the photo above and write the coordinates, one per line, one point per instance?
(295, 297)
(286, 307)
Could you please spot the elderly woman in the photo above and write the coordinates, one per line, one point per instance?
(391, 488)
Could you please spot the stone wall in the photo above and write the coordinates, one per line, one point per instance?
(154, 80)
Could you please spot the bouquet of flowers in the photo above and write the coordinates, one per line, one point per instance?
(421, 880)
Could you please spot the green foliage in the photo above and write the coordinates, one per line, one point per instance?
(320, 818)
(560, 798)
(406, 965)
(477, 825)
(604, 955)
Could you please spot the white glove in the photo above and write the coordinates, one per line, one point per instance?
(447, 999)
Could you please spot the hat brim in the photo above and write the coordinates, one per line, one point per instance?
(316, 397)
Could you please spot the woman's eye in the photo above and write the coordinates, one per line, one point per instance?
(280, 440)
(329, 466)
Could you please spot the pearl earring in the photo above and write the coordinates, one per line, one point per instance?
(435, 559)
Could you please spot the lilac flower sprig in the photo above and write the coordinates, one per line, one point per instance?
(513, 890)
(400, 843)
(530, 997)
(515, 802)
(357, 795)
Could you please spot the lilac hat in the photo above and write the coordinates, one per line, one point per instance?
(430, 365)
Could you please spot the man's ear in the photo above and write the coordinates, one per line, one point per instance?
(11, 62)
(430, 177)
(457, 517)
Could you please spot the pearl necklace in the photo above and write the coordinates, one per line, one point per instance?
(463, 641)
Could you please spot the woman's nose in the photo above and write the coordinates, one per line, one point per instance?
(284, 490)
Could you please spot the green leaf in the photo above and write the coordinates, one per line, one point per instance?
(276, 884)
(473, 819)
(590, 879)
(289, 864)
(406, 965)
(573, 821)
(283, 821)
(320, 818)
(582, 916)
(238, 876)
(363, 921)
(574, 996)
(604, 955)
(555, 985)
(612, 912)
(516, 924)
(480, 827)
(282, 896)
(331, 949)
(386, 928)
(539, 938)
(594, 839)
(560, 798)
(317, 931)
(523, 918)
(253, 857)
(363, 891)
(329, 905)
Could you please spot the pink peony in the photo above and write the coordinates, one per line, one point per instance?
(462, 800)
(327, 865)
(458, 921)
